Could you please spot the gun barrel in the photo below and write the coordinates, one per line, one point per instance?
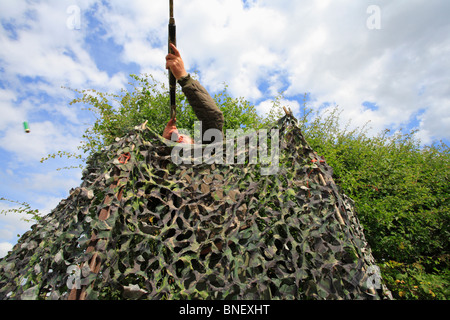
(172, 80)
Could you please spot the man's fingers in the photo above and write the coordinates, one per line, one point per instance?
(171, 56)
(175, 50)
(170, 129)
(170, 61)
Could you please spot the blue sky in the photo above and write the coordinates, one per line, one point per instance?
(394, 73)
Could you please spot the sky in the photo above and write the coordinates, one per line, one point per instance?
(383, 61)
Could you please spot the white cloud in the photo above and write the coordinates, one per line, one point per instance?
(45, 52)
(45, 138)
(4, 248)
(265, 106)
(140, 27)
(11, 223)
(45, 47)
(324, 48)
(39, 54)
(335, 57)
(53, 181)
(231, 44)
(7, 232)
(8, 112)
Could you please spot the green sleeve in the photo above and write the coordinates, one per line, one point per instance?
(202, 103)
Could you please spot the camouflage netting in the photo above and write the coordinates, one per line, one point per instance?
(141, 227)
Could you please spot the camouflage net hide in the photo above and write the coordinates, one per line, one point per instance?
(141, 227)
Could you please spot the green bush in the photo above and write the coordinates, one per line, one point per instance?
(412, 281)
(149, 101)
(402, 194)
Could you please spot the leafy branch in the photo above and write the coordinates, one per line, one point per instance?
(25, 208)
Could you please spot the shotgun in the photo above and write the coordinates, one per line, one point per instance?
(172, 80)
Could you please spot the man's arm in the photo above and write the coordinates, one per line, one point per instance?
(204, 106)
(201, 102)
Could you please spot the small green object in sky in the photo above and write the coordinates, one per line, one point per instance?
(26, 127)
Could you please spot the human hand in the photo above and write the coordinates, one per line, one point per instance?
(183, 138)
(170, 128)
(175, 63)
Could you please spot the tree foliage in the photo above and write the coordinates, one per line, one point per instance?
(33, 214)
(116, 114)
(402, 193)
